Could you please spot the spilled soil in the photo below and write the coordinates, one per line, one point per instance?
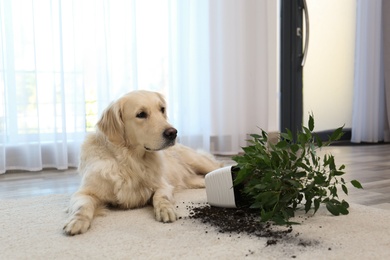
(238, 221)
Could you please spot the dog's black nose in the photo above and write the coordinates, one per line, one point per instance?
(170, 133)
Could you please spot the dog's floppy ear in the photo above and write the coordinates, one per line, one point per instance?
(162, 99)
(111, 123)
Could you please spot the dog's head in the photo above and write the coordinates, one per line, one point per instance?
(138, 119)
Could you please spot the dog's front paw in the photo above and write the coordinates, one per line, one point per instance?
(76, 226)
(165, 212)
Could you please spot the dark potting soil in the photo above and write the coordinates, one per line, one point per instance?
(239, 221)
(245, 221)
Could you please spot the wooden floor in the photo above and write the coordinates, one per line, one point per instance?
(369, 164)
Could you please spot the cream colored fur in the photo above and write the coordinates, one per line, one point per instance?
(131, 160)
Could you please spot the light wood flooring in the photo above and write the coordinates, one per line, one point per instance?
(369, 164)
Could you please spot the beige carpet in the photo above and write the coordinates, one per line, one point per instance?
(32, 229)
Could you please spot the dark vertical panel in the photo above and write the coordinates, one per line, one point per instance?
(291, 69)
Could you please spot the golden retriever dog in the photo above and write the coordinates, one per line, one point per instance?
(132, 160)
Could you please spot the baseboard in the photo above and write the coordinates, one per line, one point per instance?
(345, 140)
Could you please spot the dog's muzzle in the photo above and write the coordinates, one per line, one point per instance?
(169, 136)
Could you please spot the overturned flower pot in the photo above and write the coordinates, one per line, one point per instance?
(278, 179)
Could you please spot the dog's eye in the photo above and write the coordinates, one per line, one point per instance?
(162, 110)
(142, 115)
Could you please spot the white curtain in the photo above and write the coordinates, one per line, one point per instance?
(63, 62)
(386, 63)
(369, 122)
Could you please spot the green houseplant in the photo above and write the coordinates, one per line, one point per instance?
(278, 179)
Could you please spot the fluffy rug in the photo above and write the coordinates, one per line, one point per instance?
(32, 229)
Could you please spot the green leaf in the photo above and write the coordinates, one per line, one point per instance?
(345, 189)
(260, 186)
(285, 136)
(242, 174)
(311, 123)
(320, 180)
(255, 136)
(264, 135)
(318, 140)
(294, 148)
(290, 135)
(332, 165)
(342, 209)
(337, 134)
(332, 208)
(300, 174)
(345, 204)
(338, 173)
(265, 215)
(308, 205)
(294, 183)
(316, 204)
(333, 190)
(356, 184)
(307, 132)
(282, 144)
(302, 139)
(249, 149)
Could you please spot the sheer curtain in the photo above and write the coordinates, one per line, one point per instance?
(370, 116)
(63, 62)
(386, 63)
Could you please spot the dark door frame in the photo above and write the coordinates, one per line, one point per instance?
(291, 83)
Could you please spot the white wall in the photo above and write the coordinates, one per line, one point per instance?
(273, 32)
(328, 73)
